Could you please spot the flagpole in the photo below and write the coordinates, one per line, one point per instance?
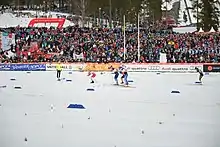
(124, 38)
(138, 39)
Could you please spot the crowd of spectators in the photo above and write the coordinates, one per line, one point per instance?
(74, 44)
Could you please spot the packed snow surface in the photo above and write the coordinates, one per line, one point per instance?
(145, 115)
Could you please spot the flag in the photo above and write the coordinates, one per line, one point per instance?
(75, 56)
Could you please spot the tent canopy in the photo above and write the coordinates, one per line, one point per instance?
(212, 30)
(201, 30)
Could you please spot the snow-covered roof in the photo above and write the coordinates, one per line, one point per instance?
(184, 29)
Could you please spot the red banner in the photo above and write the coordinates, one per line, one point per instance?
(60, 21)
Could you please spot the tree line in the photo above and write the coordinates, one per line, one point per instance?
(207, 12)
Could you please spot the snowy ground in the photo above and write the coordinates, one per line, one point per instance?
(145, 116)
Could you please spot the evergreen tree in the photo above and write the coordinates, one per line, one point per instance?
(185, 17)
(208, 14)
(155, 9)
(4, 2)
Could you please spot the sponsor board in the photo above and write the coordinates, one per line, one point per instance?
(22, 67)
(178, 68)
(175, 68)
(211, 67)
(60, 21)
(100, 67)
(82, 67)
(65, 67)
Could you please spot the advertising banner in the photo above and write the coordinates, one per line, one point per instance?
(176, 68)
(7, 39)
(60, 21)
(65, 67)
(0, 40)
(22, 67)
(82, 67)
(211, 67)
(100, 67)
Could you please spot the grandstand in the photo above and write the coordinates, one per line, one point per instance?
(75, 43)
(46, 98)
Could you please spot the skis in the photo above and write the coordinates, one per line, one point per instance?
(126, 86)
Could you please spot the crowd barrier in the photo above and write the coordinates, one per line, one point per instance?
(175, 68)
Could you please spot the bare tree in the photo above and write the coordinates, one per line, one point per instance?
(80, 8)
